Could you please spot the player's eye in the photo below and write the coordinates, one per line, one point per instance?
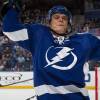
(60, 17)
(64, 18)
(56, 17)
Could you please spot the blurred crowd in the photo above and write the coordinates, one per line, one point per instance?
(13, 57)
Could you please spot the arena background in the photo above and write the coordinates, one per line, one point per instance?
(16, 62)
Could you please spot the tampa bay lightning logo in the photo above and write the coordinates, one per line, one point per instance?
(60, 55)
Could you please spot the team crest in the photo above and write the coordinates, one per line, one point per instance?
(61, 58)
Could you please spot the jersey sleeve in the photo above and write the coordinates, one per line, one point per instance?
(95, 48)
(16, 31)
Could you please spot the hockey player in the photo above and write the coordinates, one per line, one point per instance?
(58, 55)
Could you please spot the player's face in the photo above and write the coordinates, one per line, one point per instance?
(59, 23)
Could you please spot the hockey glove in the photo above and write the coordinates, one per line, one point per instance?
(7, 4)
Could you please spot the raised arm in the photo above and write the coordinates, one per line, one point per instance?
(14, 29)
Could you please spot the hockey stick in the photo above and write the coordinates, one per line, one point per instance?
(1, 85)
(31, 97)
(17, 83)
